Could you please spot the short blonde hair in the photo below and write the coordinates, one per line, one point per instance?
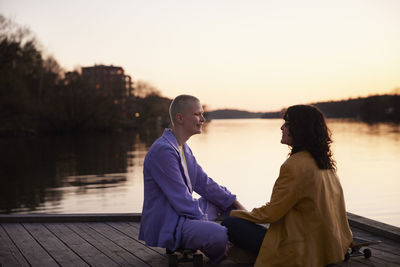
(180, 105)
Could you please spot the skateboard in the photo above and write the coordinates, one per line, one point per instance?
(184, 255)
(355, 248)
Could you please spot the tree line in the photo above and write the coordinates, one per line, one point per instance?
(38, 97)
(371, 109)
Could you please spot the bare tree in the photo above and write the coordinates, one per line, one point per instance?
(144, 89)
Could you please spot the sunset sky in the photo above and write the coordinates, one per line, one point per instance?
(254, 55)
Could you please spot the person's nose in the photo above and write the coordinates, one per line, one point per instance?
(202, 119)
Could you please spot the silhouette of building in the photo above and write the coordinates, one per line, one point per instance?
(109, 79)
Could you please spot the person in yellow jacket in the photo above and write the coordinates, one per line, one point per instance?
(306, 212)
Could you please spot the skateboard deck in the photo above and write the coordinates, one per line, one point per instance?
(184, 255)
(356, 246)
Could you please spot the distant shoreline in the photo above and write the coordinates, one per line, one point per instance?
(372, 109)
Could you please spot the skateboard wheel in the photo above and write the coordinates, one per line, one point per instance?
(346, 256)
(367, 253)
(197, 260)
(172, 260)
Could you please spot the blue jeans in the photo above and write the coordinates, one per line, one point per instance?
(245, 234)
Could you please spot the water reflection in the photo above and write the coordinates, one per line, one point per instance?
(368, 157)
(103, 172)
(34, 170)
(245, 155)
(389, 130)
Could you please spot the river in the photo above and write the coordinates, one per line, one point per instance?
(98, 173)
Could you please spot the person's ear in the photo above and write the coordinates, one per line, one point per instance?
(179, 118)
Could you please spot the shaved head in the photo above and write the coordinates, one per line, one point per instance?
(180, 105)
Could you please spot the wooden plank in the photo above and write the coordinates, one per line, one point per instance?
(384, 258)
(132, 245)
(382, 254)
(107, 246)
(375, 227)
(86, 251)
(28, 246)
(379, 258)
(57, 249)
(9, 253)
(387, 252)
(48, 218)
(386, 245)
(131, 229)
(362, 262)
(115, 235)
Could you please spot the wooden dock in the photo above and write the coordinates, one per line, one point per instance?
(112, 240)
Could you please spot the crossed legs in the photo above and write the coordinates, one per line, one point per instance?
(209, 237)
(245, 234)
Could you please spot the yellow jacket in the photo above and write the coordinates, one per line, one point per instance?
(307, 216)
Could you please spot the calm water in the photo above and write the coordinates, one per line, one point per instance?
(103, 173)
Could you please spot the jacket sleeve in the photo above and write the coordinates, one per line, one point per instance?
(207, 187)
(284, 197)
(165, 169)
(210, 190)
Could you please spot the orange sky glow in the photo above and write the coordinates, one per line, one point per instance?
(252, 55)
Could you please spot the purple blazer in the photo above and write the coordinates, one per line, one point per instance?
(168, 188)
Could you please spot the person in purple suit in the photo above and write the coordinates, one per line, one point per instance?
(171, 217)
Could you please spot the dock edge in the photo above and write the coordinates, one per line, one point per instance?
(363, 223)
(381, 229)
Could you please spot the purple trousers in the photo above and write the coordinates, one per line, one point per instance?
(207, 236)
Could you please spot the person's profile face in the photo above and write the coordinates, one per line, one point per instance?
(193, 118)
(286, 138)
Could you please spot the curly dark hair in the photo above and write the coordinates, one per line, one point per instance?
(308, 130)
